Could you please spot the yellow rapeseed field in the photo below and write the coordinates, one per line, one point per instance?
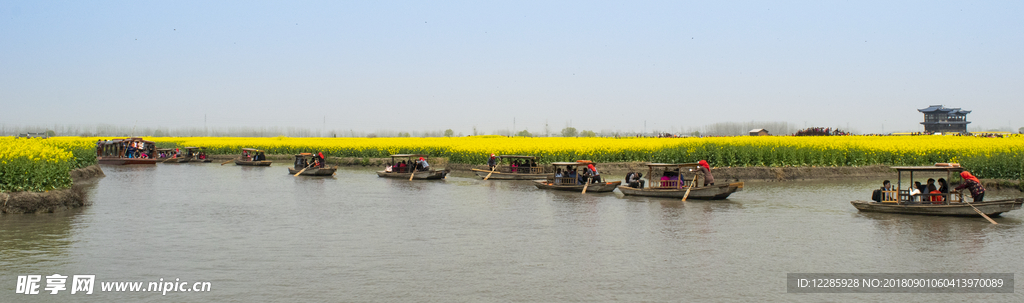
(33, 164)
(990, 157)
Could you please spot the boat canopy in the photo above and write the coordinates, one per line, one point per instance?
(517, 157)
(409, 156)
(929, 168)
(193, 147)
(252, 149)
(116, 141)
(572, 163)
(652, 165)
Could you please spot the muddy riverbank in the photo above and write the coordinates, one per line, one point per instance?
(54, 200)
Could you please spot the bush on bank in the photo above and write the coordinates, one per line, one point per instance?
(42, 164)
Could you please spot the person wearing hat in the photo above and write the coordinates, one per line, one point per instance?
(492, 162)
(422, 164)
(705, 168)
(594, 174)
(973, 184)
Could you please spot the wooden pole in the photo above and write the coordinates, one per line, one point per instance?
(300, 172)
(412, 171)
(488, 174)
(687, 194)
(979, 211)
(228, 161)
(585, 186)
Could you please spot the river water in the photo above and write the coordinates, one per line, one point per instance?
(259, 234)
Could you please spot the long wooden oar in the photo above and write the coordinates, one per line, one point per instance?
(488, 174)
(412, 172)
(228, 161)
(687, 194)
(978, 210)
(585, 186)
(303, 169)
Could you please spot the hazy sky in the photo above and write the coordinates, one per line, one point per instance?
(432, 65)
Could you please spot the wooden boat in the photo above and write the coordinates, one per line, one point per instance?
(572, 183)
(164, 153)
(602, 187)
(507, 172)
(125, 151)
(304, 166)
(189, 155)
(951, 204)
(252, 157)
(405, 172)
(676, 189)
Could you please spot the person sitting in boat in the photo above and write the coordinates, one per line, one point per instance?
(558, 176)
(571, 173)
(595, 175)
(581, 178)
(936, 195)
(492, 162)
(915, 192)
(705, 169)
(886, 191)
(973, 184)
(514, 166)
(943, 186)
(401, 166)
(422, 164)
(634, 181)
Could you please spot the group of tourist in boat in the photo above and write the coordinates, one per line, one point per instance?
(307, 161)
(589, 173)
(132, 148)
(933, 191)
(253, 155)
(935, 197)
(402, 167)
(516, 166)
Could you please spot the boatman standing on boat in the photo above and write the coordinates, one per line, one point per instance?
(422, 164)
(595, 175)
(705, 168)
(973, 184)
(492, 162)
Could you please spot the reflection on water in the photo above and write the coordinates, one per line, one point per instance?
(258, 233)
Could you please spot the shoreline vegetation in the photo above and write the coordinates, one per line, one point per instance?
(22, 202)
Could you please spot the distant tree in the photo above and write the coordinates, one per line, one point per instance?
(50, 133)
(449, 132)
(547, 129)
(587, 133)
(404, 135)
(569, 132)
(524, 133)
(695, 134)
(475, 133)
(1021, 130)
